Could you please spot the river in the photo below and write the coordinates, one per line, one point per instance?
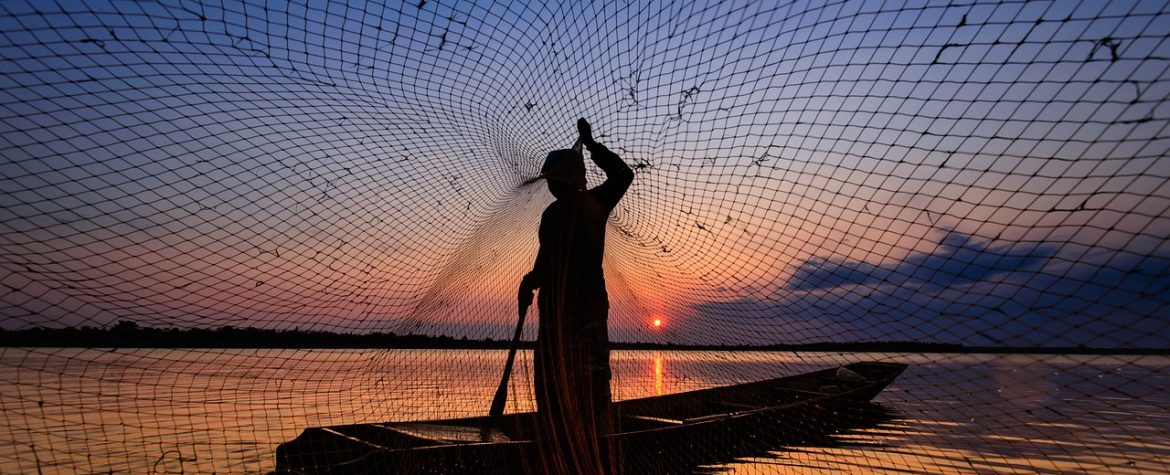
(69, 410)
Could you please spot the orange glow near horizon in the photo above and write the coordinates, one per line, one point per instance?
(657, 323)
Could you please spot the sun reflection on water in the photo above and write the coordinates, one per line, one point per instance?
(658, 366)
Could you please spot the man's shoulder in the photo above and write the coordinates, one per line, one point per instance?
(553, 209)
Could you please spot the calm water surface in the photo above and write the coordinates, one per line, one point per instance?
(224, 411)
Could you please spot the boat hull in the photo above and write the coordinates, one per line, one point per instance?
(663, 434)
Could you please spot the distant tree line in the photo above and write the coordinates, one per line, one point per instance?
(128, 334)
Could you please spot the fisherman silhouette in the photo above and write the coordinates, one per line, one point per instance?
(572, 354)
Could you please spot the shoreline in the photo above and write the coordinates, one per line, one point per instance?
(130, 335)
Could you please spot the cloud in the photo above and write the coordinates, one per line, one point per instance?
(957, 260)
(965, 291)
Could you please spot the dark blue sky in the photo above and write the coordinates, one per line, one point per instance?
(983, 173)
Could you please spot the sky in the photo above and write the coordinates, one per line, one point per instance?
(990, 173)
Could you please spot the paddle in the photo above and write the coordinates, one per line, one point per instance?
(502, 391)
(501, 396)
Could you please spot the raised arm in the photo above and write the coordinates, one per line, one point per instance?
(618, 175)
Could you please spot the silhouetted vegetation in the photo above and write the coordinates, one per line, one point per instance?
(127, 334)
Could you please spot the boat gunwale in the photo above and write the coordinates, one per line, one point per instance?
(885, 377)
(686, 423)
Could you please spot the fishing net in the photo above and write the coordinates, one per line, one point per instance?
(223, 223)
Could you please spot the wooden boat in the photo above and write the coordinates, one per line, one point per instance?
(662, 434)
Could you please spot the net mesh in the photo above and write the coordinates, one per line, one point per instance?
(265, 176)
